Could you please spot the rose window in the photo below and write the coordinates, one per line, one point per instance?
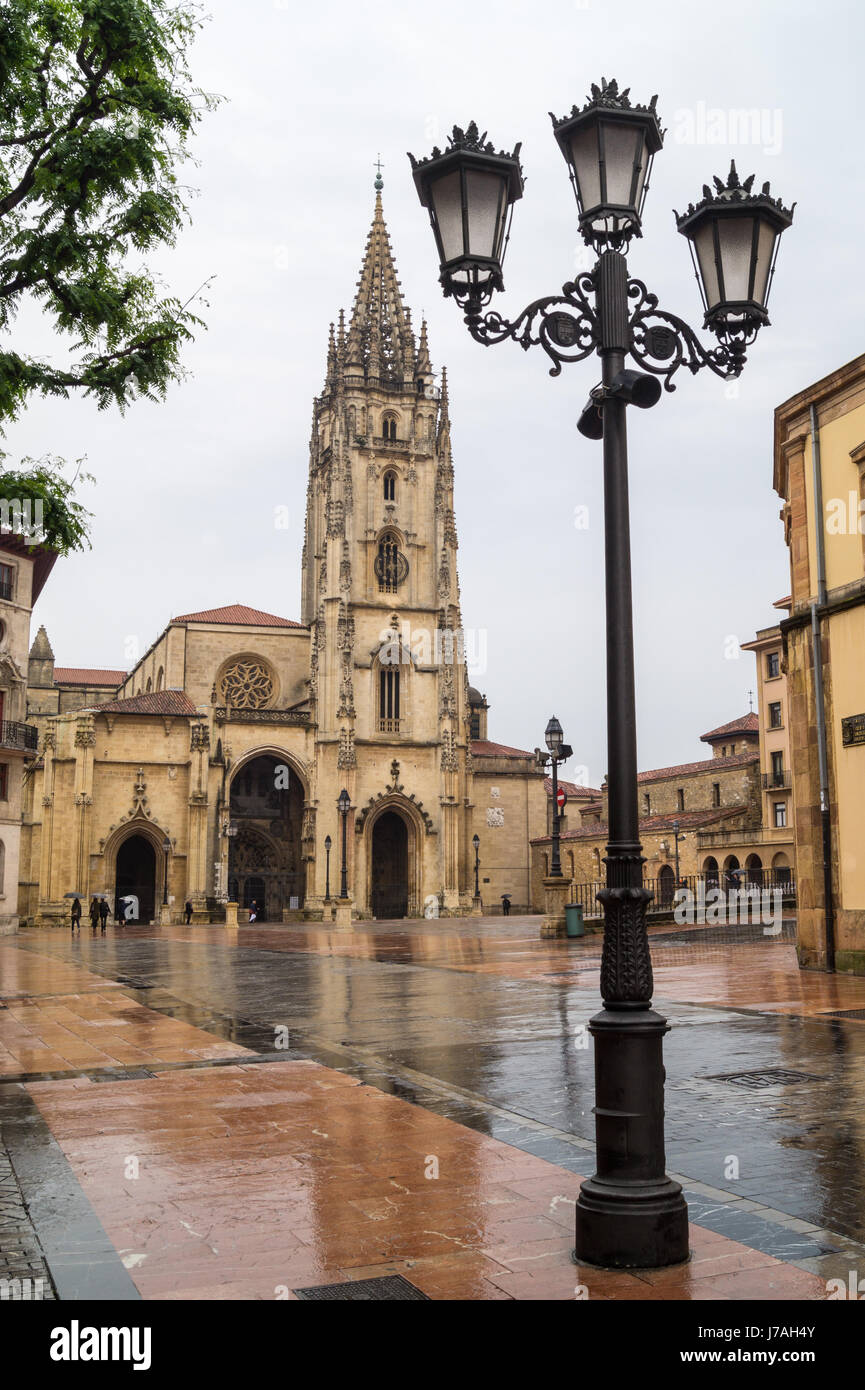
(247, 685)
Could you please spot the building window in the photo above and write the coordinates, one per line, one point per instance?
(780, 810)
(724, 751)
(388, 428)
(388, 701)
(391, 566)
(716, 793)
(680, 798)
(647, 803)
(390, 487)
(773, 665)
(778, 769)
(476, 724)
(775, 715)
(7, 581)
(732, 749)
(4, 781)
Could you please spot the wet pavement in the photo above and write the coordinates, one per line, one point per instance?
(282, 1092)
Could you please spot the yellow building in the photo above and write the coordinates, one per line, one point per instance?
(776, 777)
(211, 772)
(819, 472)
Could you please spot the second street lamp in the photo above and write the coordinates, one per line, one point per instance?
(327, 847)
(476, 841)
(559, 753)
(344, 806)
(630, 1214)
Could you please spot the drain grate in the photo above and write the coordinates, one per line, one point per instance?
(124, 1074)
(389, 1287)
(770, 1076)
(844, 1013)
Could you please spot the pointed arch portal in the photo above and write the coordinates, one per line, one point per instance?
(389, 888)
(136, 876)
(265, 860)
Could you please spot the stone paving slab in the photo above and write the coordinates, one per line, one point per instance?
(257, 1180)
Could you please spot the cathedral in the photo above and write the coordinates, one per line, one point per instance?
(213, 772)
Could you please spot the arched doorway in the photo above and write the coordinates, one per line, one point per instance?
(710, 869)
(781, 869)
(265, 860)
(731, 871)
(136, 876)
(389, 883)
(666, 886)
(754, 865)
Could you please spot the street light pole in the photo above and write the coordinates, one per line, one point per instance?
(327, 846)
(166, 850)
(477, 844)
(344, 804)
(630, 1214)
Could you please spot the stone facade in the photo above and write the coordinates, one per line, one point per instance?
(215, 771)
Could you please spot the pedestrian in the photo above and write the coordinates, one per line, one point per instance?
(253, 911)
(103, 914)
(506, 905)
(188, 910)
(76, 914)
(119, 910)
(94, 913)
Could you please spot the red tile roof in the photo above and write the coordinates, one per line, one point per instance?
(84, 675)
(237, 613)
(482, 748)
(573, 789)
(688, 820)
(703, 765)
(155, 702)
(747, 724)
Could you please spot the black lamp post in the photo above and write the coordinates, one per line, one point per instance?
(327, 845)
(559, 753)
(344, 806)
(476, 841)
(676, 839)
(166, 850)
(630, 1214)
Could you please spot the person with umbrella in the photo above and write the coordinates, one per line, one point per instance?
(103, 913)
(76, 914)
(94, 913)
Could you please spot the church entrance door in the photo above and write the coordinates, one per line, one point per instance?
(265, 861)
(389, 866)
(136, 876)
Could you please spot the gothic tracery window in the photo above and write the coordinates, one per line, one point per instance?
(391, 566)
(390, 486)
(247, 685)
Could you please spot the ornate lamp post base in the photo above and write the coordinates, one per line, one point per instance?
(342, 916)
(630, 1215)
(556, 893)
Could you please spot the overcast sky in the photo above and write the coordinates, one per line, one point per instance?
(187, 491)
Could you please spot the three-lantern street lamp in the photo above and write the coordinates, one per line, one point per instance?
(344, 806)
(630, 1213)
(327, 847)
(476, 841)
(166, 850)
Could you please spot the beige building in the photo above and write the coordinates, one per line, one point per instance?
(776, 777)
(715, 801)
(211, 772)
(24, 570)
(819, 472)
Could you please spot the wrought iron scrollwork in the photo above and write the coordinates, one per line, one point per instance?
(662, 343)
(564, 325)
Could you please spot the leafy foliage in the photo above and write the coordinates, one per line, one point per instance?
(63, 523)
(96, 111)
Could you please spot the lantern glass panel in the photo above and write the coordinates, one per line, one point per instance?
(584, 157)
(704, 245)
(735, 236)
(484, 198)
(765, 250)
(446, 194)
(621, 146)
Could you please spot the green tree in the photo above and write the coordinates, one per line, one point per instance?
(96, 110)
(37, 502)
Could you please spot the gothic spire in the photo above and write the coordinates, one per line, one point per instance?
(423, 358)
(378, 325)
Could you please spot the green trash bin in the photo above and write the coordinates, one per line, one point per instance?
(574, 925)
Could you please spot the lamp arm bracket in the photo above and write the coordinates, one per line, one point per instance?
(564, 325)
(662, 343)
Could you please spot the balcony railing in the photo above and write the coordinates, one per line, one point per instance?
(664, 889)
(14, 735)
(388, 726)
(777, 780)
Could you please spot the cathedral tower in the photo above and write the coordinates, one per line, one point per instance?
(388, 683)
